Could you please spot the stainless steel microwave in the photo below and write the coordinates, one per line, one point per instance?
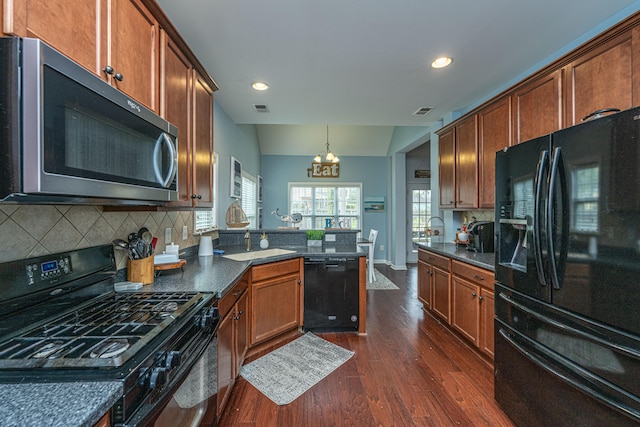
(67, 136)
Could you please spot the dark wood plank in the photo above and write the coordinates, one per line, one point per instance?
(409, 370)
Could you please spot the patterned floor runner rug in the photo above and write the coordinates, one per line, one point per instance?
(287, 372)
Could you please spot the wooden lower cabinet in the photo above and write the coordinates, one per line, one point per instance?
(232, 339)
(424, 283)
(275, 297)
(434, 280)
(485, 341)
(459, 293)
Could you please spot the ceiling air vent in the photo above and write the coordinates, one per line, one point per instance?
(261, 108)
(422, 111)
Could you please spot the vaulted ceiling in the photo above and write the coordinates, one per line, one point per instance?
(363, 66)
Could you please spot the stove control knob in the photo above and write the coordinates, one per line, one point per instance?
(173, 360)
(158, 378)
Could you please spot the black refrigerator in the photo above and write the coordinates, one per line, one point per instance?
(567, 322)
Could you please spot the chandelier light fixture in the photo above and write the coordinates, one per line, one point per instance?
(328, 155)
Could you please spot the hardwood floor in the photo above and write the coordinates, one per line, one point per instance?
(408, 370)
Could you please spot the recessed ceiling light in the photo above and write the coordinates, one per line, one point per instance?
(442, 62)
(259, 85)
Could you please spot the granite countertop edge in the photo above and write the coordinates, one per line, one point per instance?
(460, 253)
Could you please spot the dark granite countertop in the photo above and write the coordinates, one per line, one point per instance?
(83, 403)
(461, 253)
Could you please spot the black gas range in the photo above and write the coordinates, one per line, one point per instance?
(62, 321)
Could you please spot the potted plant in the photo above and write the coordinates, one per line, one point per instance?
(314, 237)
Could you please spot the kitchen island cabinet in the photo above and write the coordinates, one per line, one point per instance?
(275, 299)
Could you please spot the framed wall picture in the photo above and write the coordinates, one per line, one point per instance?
(259, 196)
(236, 178)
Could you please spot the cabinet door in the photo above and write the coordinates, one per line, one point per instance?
(134, 51)
(176, 76)
(446, 168)
(602, 79)
(69, 26)
(538, 107)
(226, 376)
(441, 293)
(241, 327)
(465, 308)
(275, 307)
(494, 134)
(486, 321)
(466, 170)
(202, 164)
(424, 283)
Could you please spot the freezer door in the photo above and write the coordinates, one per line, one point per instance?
(548, 363)
(595, 209)
(521, 200)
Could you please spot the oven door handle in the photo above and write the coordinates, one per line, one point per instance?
(164, 139)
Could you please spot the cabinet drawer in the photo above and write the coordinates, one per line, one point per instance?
(477, 275)
(439, 261)
(230, 298)
(275, 269)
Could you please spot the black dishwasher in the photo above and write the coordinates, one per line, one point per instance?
(331, 294)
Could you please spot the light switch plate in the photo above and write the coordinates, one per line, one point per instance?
(185, 232)
(167, 235)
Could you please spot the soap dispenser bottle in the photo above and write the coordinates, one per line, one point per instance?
(264, 242)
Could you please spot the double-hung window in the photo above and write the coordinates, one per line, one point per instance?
(249, 198)
(341, 204)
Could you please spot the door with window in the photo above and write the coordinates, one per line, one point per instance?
(418, 213)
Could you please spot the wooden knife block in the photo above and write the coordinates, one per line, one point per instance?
(140, 270)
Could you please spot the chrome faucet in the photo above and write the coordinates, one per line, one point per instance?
(247, 239)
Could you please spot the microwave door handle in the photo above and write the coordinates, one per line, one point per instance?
(537, 244)
(557, 161)
(164, 138)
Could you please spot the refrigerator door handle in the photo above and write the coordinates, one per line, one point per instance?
(537, 244)
(534, 356)
(557, 160)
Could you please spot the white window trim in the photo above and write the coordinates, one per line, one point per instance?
(328, 184)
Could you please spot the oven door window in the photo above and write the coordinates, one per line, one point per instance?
(195, 401)
(88, 136)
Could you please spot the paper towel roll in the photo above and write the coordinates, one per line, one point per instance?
(206, 246)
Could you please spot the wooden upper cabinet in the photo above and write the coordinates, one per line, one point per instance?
(176, 94)
(134, 51)
(446, 168)
(494, 134)
(537, 107)
(126, 40)
(600, 79)
(69, 26)
(202, 173)
(466, 173)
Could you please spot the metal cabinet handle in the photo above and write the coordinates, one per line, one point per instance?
(108, 69)
(477, 276)
(119, 77)
(196, 196)
(480, 298)
(473, 294)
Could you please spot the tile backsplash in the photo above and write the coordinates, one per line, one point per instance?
(34, 230)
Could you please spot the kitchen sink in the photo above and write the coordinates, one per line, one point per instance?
(247, 256)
